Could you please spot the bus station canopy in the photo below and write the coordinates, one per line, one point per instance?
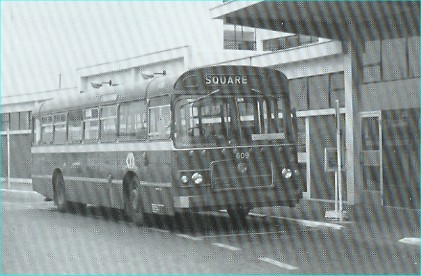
(355, 21)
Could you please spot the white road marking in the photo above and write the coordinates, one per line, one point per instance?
(245, 234)
(311, 223)
(158, 230)
(279, 264)
(19, 191)
(414, 241)
(257, 215)
(190, 237)
(229, 247)
(25, 206)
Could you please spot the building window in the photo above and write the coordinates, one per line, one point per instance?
(14, 121)
(298, 93)
(5, 121)
(337, 89)
(285, 42)
(391, 59)
(239, 38)
(414, 56)
(25, 120)
(318, 92)
(394, 61)
(372, 62)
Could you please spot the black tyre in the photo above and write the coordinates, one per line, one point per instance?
(133, 202)
(238, 215)
(60, 193)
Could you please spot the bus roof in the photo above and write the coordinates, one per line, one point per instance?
(271, 82)
(157, 86)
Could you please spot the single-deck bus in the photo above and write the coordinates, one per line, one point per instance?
(219, 137)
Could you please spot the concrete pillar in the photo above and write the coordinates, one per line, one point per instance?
(353, 77)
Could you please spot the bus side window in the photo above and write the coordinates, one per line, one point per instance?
(91, 124)
(159, 122)
(75, 119)
(133, 121)
(108, 123)
(59, 128)
(47, 129)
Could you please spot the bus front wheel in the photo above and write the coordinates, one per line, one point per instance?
(238, 215)
(60, 193)
(133, 202)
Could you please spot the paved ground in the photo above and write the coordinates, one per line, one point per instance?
(275, 240)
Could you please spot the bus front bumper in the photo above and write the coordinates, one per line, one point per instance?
(222, 200)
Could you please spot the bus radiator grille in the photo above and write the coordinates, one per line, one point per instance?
(228, 175)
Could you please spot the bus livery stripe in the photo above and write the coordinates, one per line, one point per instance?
(104, 180)
(118, 147)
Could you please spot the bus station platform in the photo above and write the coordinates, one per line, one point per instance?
(369, 221)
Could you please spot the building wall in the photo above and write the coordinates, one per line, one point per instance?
(391, 76)
(172, 61)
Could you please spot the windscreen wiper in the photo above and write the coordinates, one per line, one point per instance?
(201, 98)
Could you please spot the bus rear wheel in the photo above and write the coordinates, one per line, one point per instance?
(60, 193)
(133, 202)
(238, 215)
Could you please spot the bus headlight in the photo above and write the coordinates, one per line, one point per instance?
(184, 179)
(242, 168)
(197, 178)
(286, 173)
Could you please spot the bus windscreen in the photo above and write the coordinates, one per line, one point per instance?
(217, 120)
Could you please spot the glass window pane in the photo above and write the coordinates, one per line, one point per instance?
(159, 121)
(298, 94)
(91, 124)
(59, 129)
(394, 59)
(370, 133)
(337, 89)
(24, 120)
(372, 73)
(372, 52)
(5, 121)
(14, 121)
(47, 129)
(133, 121)
(318, 88)
(109, 123)
(75, 126)
(414, 56)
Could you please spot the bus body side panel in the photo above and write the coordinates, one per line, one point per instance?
(152, 167)
(158, 192)
(72, 173)
(41, 176)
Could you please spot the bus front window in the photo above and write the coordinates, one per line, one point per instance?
(224, 120)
